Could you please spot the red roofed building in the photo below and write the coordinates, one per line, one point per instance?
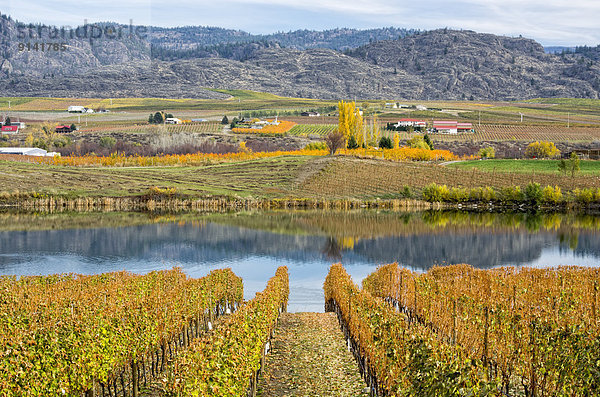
(465, 127)
(63, 129)
(446, 126)
(10, 129)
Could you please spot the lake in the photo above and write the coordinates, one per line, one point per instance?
(254, 244)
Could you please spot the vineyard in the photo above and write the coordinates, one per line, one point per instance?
(69, 334)
(270, 129)
(312, 129)
(118, 160)
(228, 362)
(517, 133)
(348, 177)
(457, 330)
(201, 128)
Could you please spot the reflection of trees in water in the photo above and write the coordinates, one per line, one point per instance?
(572, 239)
(332, 249)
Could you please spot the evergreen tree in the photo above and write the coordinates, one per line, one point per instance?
(428, 141)
(7, 121)
(225, 120)
(151, 119)
(73, 127)
(352, 144)
(385, 143)
(158, 118)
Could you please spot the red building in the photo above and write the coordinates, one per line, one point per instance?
(63, 129)
(10, 129)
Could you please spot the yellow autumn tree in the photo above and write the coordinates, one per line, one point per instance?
(346, 118)
(351, 122)
(396, 140)
(358, 127)
(375, 132)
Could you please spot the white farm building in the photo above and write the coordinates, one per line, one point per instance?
(28, 151)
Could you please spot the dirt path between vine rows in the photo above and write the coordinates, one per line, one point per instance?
(309, 358)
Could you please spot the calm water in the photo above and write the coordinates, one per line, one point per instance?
(254, 244)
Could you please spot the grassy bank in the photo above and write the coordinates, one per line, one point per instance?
(588, 167)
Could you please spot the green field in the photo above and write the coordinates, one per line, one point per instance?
(588, 167)
(311, 129)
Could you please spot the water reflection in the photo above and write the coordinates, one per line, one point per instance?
(254, 244)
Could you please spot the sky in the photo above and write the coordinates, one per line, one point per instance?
(550, 22)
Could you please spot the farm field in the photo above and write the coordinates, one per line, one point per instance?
(270, 177)
(349, 177)
(284, 176)
(588, 167)
(312, 129)
(523, 133)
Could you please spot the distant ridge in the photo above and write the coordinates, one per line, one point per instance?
(438, 64)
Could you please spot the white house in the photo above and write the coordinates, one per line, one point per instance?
(28, 151)
(391, 105)
(172, 120)
(76, 109)
(421, 107)
(411, 123)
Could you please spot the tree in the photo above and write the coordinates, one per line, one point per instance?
(158, 118)
(225, 120)
(73, 127)
(7, 121)
(417, 142)
(352, 144)
(151, 118)
(385, 143)
(335, 140)
(487, 152)
(541, 150)
(396, 140)
(428, 141)
(168, 116)
(571, 165)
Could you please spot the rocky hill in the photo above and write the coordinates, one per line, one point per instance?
(463, 64)
(440, 64)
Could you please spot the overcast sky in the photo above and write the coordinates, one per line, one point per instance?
(551, 22)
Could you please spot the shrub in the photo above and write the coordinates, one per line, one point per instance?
(435, 193)
(316, 146)
(487, 152)
(417, 142)
(107, 142)
(542, 150)
(552, 194)
(585, 196)
(512, 194)
(406, 192)
(385, 143)
(458, 195)
(533, 193)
